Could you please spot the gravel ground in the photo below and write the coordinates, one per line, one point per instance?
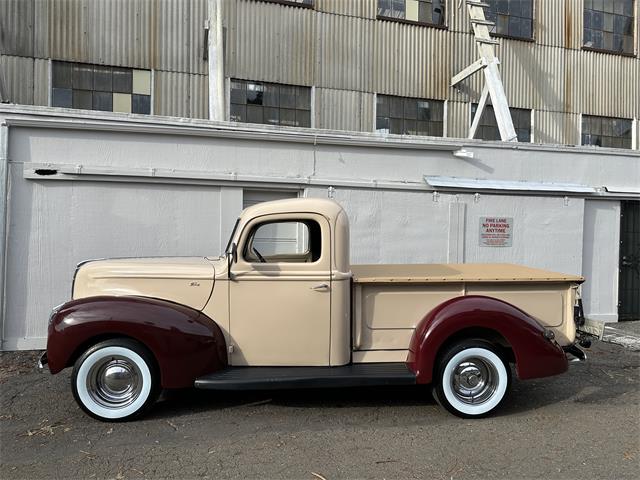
(583, 424)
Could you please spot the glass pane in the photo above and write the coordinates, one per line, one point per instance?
(382, 124)
(424, 111)
(287, 117)
(384, 8)
(425, 14)
(410, 108)
(238, 113)
(303, 118)
(271, 116)
(287, 96)
(395, 125)
(82, 76)
(82, 99)
(103, 101)
(61, 74)
(281, 242)
(382, 105)
(238, 92)
(396, 107)
(422, 128)
(303, 98)
(102, 79)
(409, 127)
(436, 129)
(271, 95)
(122, 80)
(438, 12)
(254, 114)
(62, 97)
(254, 94)
(141, 103)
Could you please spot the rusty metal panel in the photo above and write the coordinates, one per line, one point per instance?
(344, 110)
(119, 32)
(270, 42)
(160, 34)
(16, 27)
(198, 96)
(345, 52)
(351, 8)
(602, 84)
(41, 29)
(549, 22)
(41, 81)
(17, 73)
(458, 119)
(556, 127)
(171, 94)
(411, 60)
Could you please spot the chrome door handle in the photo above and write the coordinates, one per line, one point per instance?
(320, 288)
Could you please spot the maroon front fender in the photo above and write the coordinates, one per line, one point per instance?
(535, 355)
(185, 343)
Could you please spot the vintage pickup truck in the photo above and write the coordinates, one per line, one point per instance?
(284, 308)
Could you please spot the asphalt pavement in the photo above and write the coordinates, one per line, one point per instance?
(584, 424)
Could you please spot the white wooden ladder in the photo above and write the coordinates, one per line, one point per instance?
(488, 62)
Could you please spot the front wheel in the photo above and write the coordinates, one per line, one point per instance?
(115, 380)
(471, 379)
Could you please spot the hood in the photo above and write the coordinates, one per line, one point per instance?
(185, 280)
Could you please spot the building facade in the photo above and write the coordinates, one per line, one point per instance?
(570, 68)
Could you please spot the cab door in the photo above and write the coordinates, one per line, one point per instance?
(280, 292)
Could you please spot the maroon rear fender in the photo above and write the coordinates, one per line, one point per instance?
(535, 355)
(185, 343)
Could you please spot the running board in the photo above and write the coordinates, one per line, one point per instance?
(271, 378)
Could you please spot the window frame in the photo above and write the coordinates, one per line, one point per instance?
(489, 106)
(133, 95)
(601, 117)
(635, 23)
(279, 108)
(531, 39)
(248, 229)
(443, 26)
(404, 118)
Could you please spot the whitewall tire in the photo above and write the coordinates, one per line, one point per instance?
(472, 379)
(115, 380)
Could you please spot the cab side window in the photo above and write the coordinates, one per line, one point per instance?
(284, 241)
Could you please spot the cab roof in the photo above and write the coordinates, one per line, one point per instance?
(322, 206)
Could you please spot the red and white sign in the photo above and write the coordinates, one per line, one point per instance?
(496, 231)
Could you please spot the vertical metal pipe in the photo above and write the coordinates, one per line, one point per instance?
(216, 61)
(4, 202)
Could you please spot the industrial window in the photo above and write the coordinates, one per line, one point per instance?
(606, 131)
(608, 25)
(513, 18)
(488, 126)
(100, 87)
(409, 116)
(425, 12)
(270, 103)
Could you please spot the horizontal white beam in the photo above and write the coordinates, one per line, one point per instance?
(467, 72)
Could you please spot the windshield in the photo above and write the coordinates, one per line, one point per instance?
(233, 234)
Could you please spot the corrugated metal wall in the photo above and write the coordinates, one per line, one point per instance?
(337, 46)
(164, 35)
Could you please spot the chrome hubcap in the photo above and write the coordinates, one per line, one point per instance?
(474, 380)
(114, 382)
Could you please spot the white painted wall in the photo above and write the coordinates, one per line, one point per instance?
(121, 209)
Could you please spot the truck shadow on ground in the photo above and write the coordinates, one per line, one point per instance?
(589, 383)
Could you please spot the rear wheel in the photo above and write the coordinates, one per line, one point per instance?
(115, 380)
(471, 379)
